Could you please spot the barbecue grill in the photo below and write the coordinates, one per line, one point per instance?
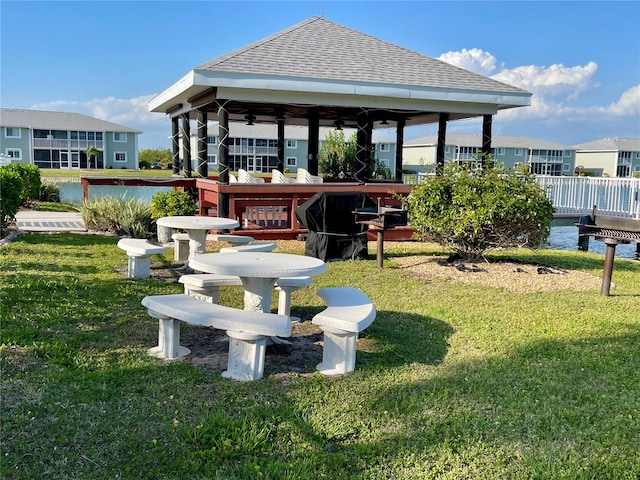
(381, 219)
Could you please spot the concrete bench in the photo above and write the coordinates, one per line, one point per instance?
(285, 286)
(139, 252)
(181, 243)
(205, 286)
(252, 247)
(349, 312)
(246, 329)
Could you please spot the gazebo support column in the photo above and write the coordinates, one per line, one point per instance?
(486, 137)
(203, 169)
(314, 141)
(399, 146)
(280, 120)
(223, 155)
(363, 150)
(442, 141)
(186, 145)
(175, 145)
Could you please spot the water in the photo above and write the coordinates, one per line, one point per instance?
(563, 237)
(566, 238)
(72, 192)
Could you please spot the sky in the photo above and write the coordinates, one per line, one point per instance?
(108, 59)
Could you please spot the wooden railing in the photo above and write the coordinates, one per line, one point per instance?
(242, 196)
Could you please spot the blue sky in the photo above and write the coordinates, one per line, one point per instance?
(581, 60)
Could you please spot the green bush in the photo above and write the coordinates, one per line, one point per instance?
(30, 175)
(10, 195)
(144, 164)
(118, 216)
(171, 203)
(49, 192)
(472, 211)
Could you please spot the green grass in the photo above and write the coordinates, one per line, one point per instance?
(451, 381)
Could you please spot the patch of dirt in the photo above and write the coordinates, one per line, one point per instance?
(508, 276)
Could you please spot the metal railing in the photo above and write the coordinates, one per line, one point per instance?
(576, 196)
(66, 144)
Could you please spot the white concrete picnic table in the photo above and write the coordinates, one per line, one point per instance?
(196, 227)
(258, 271)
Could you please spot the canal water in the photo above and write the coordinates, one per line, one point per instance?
(563, 236)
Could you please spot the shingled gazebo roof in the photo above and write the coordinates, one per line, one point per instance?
(319, 63)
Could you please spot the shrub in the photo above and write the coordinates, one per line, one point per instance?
(144, 164)
(30, 175)
(118, 216)
(49, 192)
(473, 211)
(10, 196)
(171, 203)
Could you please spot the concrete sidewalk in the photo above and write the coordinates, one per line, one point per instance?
(34, 221)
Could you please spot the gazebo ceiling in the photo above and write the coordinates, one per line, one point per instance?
(339, 72)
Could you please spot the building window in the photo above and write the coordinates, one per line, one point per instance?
(446, 149)
(500, 151)
(385, 162)
(291, 161)
(12, 132)
(384, 147)
(211, 140)
(212, 159)
(119, 136)
(292, 144)
(637, 154)
(120, 156)
(567, 153)
(518, 152)
(15, 153)
(566, 167)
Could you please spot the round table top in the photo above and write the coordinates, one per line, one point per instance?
(196, 222)
(258, 264)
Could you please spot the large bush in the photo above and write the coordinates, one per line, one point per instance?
(171, 203)
(30, 175)
(10, 196)
(118, 216)
(472, 211)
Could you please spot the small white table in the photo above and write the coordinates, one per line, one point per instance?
(258, 271)
(197, 228)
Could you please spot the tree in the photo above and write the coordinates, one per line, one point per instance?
(92, 151)
(337, 158)
(161, 155)
(474, 210)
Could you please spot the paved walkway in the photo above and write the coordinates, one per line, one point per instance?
(34, 221)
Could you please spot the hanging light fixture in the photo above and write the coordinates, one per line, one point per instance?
(384, 122)
(250, 118)
(338, 124)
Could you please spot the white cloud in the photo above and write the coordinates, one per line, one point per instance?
(556, 79)
(628, 104)
(475, 60)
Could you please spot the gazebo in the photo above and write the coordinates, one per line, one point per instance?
(320, 73)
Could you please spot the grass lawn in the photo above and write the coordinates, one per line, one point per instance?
(452, 381)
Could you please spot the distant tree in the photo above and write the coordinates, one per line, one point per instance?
(92, 151)
(161, 155)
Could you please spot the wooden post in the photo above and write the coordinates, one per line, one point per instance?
(223, 156)
(280, 120)
(175, 144)
(399, 146)
(314, 141)
(363, 151)
(186, 145)
(203, 168)
(486, 138)
(442, 141)
(608, 266)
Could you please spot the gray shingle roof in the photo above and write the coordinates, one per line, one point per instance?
(46, 120)
(473, 140)
(615, 144)
(320, 49)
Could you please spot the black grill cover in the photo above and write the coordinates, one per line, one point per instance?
(333, 231)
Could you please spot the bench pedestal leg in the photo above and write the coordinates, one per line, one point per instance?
(338, 352)
(139, 266)
(168, 339)
(208, 294)
(246, 356)
(181, 250)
